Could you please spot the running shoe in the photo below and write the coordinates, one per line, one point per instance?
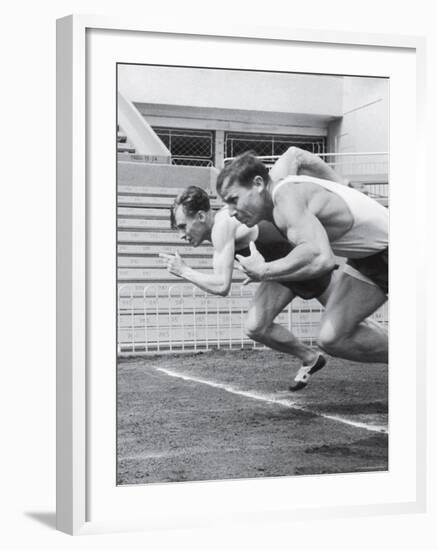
(304, 374)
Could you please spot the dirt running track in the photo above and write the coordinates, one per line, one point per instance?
(223, 414)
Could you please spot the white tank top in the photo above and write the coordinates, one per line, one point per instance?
(369, 232)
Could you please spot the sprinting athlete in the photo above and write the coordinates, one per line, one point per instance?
(193, 217)
(320, 218)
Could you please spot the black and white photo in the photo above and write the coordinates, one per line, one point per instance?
(252, 273)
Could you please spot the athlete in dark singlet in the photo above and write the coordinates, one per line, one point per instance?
(197, 222)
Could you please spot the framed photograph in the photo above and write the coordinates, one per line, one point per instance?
(226, 348)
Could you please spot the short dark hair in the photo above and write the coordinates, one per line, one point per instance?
(192, 200)
(243, 168)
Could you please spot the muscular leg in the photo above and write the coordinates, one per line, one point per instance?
(345, 330)
(270, 299)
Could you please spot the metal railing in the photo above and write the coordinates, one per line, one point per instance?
(183, 318)
(360, 163)
(366, 171)
(236, 143)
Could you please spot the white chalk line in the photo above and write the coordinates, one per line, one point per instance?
(269, 399)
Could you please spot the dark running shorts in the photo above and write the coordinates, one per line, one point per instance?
(272, 245)
(311, 288)
(374, 267)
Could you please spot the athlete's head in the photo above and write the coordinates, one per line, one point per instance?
(242, 186)
(191, 215)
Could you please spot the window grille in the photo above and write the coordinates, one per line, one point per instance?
(188, 147)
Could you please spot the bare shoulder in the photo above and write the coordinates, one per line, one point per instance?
(224, 228)
(290, 202)
(224, 220)
(288, 192)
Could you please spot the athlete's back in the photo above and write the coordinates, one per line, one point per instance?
(356, 225)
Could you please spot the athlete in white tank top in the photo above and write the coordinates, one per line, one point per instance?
(352, 225)
(369, 232)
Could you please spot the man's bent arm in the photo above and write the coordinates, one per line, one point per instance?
(312, 255)
(302, 263)
(296, 161)
(223, 239)
(218, 282)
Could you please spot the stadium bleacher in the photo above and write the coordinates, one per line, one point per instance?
(156, 310)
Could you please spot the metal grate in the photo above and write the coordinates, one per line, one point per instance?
(270, 144)
(188, 147)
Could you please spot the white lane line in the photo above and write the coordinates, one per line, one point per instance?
(270, 399)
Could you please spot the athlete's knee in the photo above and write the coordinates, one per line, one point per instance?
(254, 327)
(330, 338)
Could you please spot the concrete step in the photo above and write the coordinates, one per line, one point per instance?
(205, 250)
(155, 262)
(143, 274)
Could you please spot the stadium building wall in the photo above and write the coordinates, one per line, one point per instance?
(364, 124)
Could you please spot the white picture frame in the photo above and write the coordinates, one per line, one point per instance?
(74, 343)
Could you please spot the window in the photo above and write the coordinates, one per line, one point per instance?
(188, 147)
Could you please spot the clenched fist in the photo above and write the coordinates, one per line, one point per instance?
(254, 266)
(175, 263)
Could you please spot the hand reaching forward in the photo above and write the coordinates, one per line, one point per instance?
(175, 263)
